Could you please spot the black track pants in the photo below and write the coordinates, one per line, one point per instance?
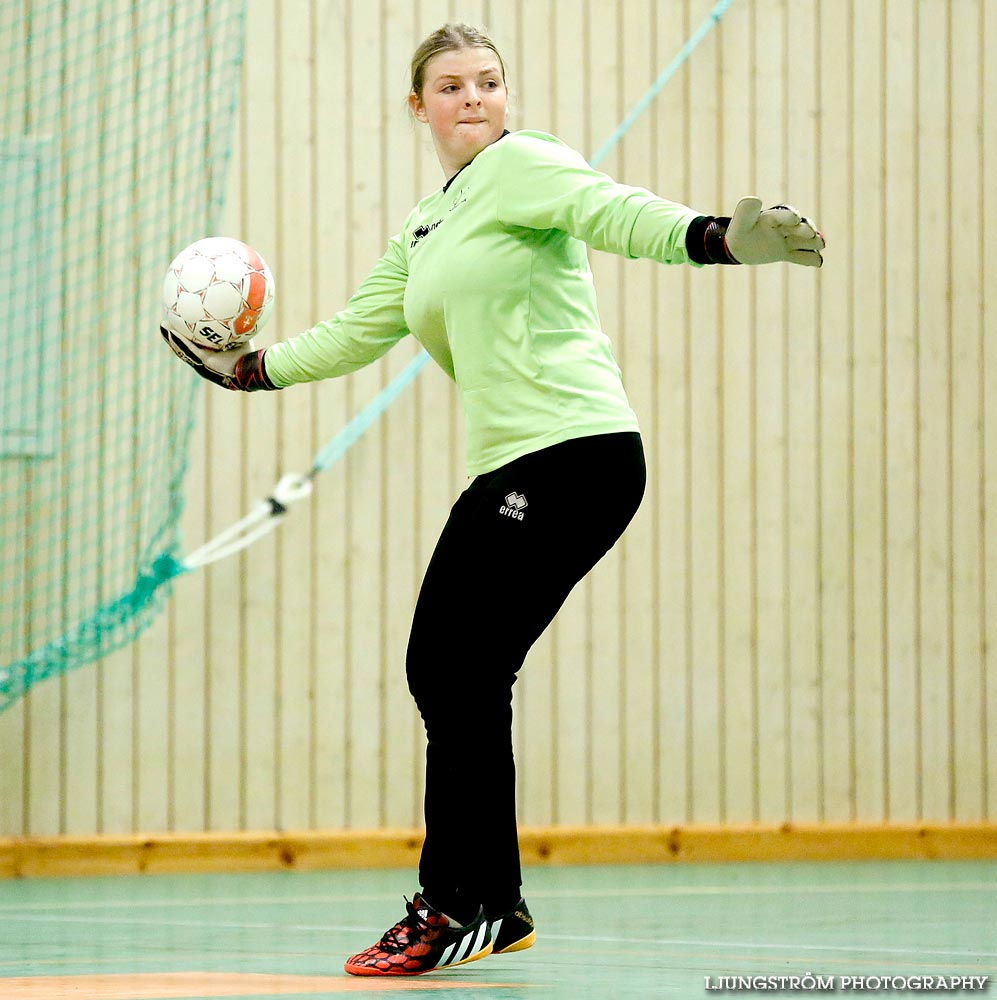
(517, 541)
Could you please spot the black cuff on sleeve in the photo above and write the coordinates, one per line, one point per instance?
(695, 245)
(705, 243)
(250, 373)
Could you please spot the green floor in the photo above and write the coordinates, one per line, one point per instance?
(602, 932)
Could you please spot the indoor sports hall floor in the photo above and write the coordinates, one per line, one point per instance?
(602, 932)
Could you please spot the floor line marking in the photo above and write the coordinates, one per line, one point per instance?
(231, 925)
(761, 945)
(180, 985)
(332, 899)
(691, 942)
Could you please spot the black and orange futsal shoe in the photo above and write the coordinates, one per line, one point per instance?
(513, 931)
(425, 941)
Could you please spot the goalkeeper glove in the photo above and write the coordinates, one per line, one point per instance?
(238, 368)
(779, 233)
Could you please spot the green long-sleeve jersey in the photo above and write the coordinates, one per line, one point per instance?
(491, 275)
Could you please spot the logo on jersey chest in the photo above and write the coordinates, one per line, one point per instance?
(421, 232)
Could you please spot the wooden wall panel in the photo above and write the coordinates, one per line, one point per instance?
(669, 448)
(987, 429)
(635, 53)
(867, 487)
(769, 141)
(965, 321)
(798, 624)
(899, 264)
(327, 624)
(802, 429)
(706, 555)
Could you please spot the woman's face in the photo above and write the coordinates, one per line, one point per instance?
(464, 102)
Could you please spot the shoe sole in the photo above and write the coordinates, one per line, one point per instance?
(363, 970)
(484, 953)
(521, 945)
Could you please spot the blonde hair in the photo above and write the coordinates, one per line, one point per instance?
(449, 38)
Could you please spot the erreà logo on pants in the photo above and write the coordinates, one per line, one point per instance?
(513, 506)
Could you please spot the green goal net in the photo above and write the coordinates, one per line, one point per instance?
(116, 121)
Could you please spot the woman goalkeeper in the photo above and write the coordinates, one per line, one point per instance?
(490, 274)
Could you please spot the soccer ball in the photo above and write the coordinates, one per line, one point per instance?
(218, 292)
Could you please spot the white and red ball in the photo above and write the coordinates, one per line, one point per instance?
(218, 292)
